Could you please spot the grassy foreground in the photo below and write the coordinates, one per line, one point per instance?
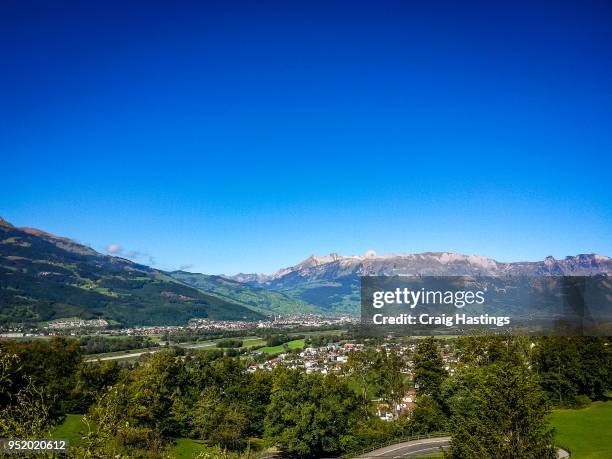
(186, 448)
(70, 429)
(586, 432)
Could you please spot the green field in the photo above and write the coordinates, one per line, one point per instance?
(586, 432)
(187, 448)
(295, 344)
(254, 343)
(70, 429)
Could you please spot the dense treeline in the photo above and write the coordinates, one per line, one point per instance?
(495, 404)
(182, 336)
(230, 343)
(277, 340)
(101, 344)
(40, 382)
(323, 340)
(572, 368)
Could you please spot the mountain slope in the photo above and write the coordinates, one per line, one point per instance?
(332, 281)
(256, 298)
(44, 277)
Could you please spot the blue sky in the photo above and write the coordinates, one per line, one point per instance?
(245, 136)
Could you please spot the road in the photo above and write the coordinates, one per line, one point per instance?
(152, 350)
(122, 356)
(413, 448)
(418, 448)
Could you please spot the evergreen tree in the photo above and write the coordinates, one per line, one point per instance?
(429, 371)
(499, 410)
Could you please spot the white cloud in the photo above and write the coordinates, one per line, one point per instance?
(134, 255)
(114, 249)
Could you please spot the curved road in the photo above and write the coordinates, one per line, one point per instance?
(413, 448)
(418, 448)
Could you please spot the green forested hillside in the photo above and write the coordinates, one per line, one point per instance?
(256, 298)
(44, 277)
(337, 296)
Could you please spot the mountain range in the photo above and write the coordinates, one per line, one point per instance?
(45, 277)
(331, 282)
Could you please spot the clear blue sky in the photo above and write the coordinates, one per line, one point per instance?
(245, 136)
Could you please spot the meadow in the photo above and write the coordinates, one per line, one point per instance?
(295, 344)
(587, 432)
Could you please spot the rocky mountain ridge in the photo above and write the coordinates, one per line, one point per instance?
(331, 282)
(431, 263)
(44, 277)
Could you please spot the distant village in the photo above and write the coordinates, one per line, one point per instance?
(76, 326)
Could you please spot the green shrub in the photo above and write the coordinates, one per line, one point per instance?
(231, 343)
(581, 401)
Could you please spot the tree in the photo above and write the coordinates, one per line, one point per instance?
(166, 397)
(499, 410)
(27, 416)
(359, 368)
(91, 380)
(482, 350)
(596, 366)
(229, 343)
(427, 416)
(391, 382)
(48, 366)
(219, 421)
(152, 389)
(310, 415)
(111, 432)
(572, 366)
(255, 397)
(429, 371)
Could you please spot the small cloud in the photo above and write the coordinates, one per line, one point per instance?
(134, 255)
(370, 254)
(114, 248)
(185, 267)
